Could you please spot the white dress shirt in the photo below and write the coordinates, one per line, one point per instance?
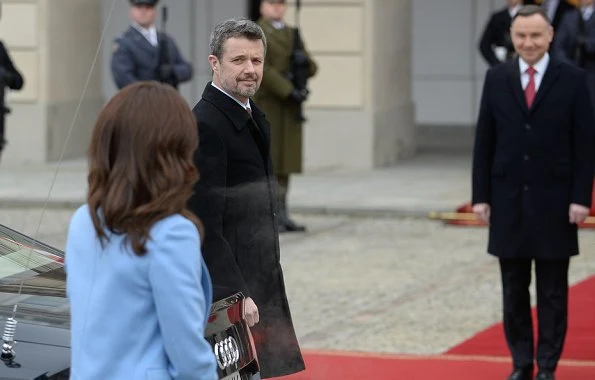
(149, 33)
(514, 10)
(550, 8)
(587, 12)
(539, 67)
(246, 106)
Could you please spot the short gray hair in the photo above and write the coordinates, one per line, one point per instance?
(239, 27)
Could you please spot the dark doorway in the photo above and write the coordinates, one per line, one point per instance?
(254, 9)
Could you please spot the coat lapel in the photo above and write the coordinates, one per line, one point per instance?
(549, 77)
(142, 41)
(239, 117)
(514, 81)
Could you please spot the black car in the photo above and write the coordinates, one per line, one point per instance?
(35, 319)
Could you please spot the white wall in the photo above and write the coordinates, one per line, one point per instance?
(447, 68)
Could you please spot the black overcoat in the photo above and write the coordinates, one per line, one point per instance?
(531, 164)
(235, 199)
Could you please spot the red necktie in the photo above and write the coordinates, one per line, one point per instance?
(530, 89)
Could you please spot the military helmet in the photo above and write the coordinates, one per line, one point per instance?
(144, 2)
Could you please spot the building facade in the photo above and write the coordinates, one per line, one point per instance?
(390, 70)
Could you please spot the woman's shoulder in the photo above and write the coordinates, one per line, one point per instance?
(175, 225)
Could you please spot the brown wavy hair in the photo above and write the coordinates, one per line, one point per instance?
(140, 162)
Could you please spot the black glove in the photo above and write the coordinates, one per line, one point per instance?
(582, 40)
(165, 72)
(298, 95)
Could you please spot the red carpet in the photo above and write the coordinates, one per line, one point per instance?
(483, 357)
(580, 341)
(353, 366)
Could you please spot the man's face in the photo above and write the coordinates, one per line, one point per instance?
(531, 37)
(239, 71)
(144, 15)
(586, 3)
(273, 10)
(514, 3)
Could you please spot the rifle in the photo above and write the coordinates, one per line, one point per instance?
(299, 64)
(578, 52)
(165, 71)
(3, 109)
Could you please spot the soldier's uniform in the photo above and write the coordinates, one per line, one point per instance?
(275, 98)
(9, 77)
(137, 56)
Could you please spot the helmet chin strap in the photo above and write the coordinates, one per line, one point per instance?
(8, 354)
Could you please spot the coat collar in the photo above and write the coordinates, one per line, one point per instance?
(138, 37)
(232, 109)
(514, 80)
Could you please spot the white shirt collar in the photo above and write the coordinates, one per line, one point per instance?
(145, 31)
(149, 33)
(246, 106)
(513, 11)
(587, 11)
(539, 67)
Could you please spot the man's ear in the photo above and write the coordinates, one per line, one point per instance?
(214, 62)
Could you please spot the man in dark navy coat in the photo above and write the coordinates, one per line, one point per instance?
(235, 197)
(143, 53)
(533, 167)
(496, 35)
(576, 40)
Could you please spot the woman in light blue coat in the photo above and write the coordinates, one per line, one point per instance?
(139, 290)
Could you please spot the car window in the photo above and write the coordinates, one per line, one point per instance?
(32, 276)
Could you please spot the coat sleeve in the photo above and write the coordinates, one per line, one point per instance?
(12, 77)
(122, 65)
(563, 43)
(182, 69)
(274, 81)
(175, 275)
(208, 203)
(486, 41)
(483, 150)
(583, 143)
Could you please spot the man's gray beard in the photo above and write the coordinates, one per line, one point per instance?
(245, 93)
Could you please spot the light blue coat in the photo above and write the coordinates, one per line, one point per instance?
(138, 317)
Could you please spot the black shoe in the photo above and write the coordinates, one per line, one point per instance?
(287, 225)
(545, 375)
(521, 374)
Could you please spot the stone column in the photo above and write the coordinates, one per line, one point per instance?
(53, 43)
(360, 112)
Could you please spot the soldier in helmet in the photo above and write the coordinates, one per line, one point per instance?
(9, 77)
(281, 101)
(143, 53)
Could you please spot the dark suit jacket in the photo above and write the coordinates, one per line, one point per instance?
(496, 33)
(235, 198)
(567, 45)
(530, 164)
(563, 7)
(135, 59)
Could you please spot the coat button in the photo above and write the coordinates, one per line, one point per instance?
(527, 127)
(526, 157)
(525, 187)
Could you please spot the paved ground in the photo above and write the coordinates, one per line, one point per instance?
(398, 285)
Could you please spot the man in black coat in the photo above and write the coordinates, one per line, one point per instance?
(235, 196)
(554, 9)
(496, 35)
(576, 40)
(533, 167)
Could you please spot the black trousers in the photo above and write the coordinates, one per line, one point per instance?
(552, 310)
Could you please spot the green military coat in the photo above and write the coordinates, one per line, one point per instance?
(272, 98)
